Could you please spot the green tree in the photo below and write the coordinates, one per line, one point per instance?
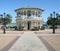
(54, 20)
(1, 18)
(51, 21)
(58, 21)
(8, 18)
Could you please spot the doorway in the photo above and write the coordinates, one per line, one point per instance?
(29, 25)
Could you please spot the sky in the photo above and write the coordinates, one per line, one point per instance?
(49, 6)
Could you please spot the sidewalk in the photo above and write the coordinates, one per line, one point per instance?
(28, 42)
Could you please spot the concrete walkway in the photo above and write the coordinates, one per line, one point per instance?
(28, 42)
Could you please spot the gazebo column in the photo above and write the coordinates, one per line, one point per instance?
(36, 23)
(25, 25)
(40, 23)
(31, 13)
(26, 13)
(18, 14)
(18, 25)
(23, 14)
(32, 24)
(35, 13)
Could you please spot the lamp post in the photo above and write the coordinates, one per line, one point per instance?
(54, 18)
(3, 21)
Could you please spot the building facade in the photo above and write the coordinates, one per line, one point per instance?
(29, 18)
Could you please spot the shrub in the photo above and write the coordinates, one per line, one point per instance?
(35, 28)
(21, 28)
(42, 28)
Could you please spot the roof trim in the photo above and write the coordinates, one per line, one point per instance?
(28, 8)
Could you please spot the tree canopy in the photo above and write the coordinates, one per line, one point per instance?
(51, 21)
(6, 20)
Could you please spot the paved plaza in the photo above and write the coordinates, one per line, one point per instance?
(29, 41)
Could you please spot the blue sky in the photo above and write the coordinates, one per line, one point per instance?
(8, 6)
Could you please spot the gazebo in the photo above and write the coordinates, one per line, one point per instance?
(29, 17)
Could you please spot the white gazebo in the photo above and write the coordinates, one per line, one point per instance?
(29, 17)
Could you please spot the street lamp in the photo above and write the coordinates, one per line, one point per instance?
(3, 21)
(54, 18)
